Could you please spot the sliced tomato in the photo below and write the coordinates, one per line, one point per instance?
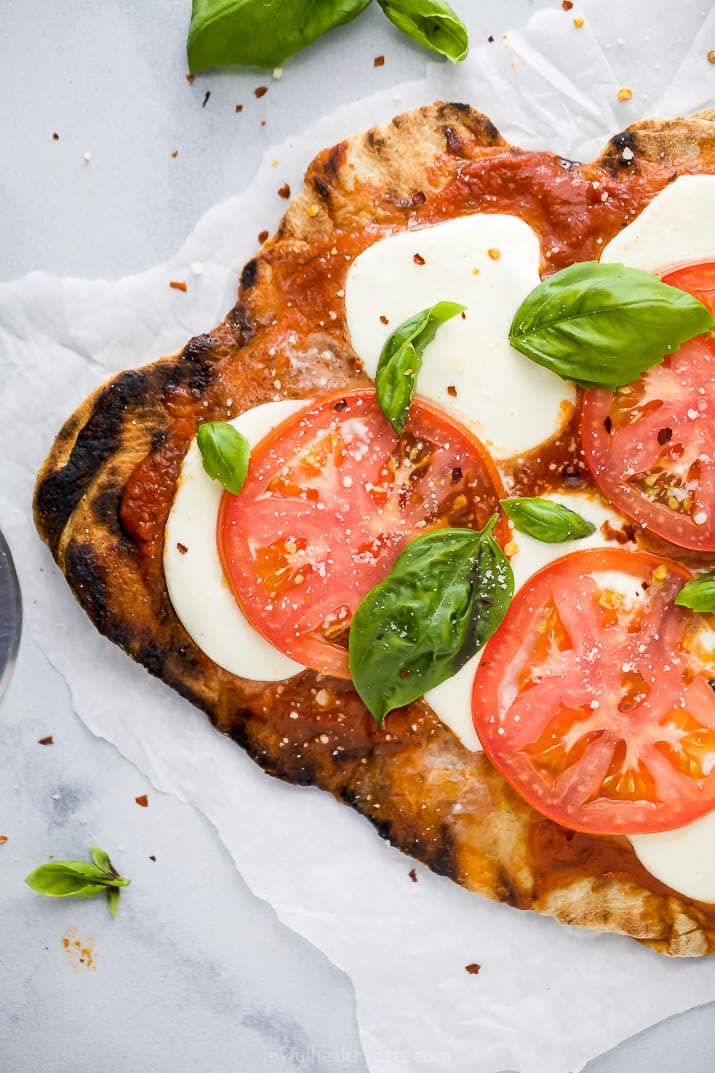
(594, 697)
(651, 445)
(331, 498)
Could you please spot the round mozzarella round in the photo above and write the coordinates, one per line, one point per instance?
(198, 589)
(452, 700)
(676, 228)
(683, 858)
(488, 263)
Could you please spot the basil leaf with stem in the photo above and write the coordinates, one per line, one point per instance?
(546, 520)
(401, 360)
(260, 33)
(431, 23)
(603, 325)
(446, 594)
(225, 454)
(698, 594)
(79, 879)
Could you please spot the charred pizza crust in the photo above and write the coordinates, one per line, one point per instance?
(408, 777)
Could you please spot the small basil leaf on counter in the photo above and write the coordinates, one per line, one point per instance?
(78, 879)
(225, 454)
(431, 23)
(257, 33)
(698, 594)
(545, 520)
(603, 325)
(113, 900)
(401, 360)
(445, 596)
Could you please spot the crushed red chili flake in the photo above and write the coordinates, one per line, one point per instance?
(463, 314)
(379, 61)
(452, 391)
(152, 857)
(205, 101)
(3, 840)
(284, 191)
(55, 136)
(178, 285)
(260, 91)
(413, 875)
(181, 547)
(142, 800)
(567, 4)
(664, 434)
(340, 404)
(419, 259)
(175, 153)
(624, 535)
(263, 122)
(239, 107)
(404, 673)
(383, 319)
(473, 968)
(191, 79)
(490, 39)
(457, 474)
(262, 236)
(49, 740)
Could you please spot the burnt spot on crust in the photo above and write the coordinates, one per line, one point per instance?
(466, 108)
(87, 579)
(158, 438)
(481, 127)
(334, 160)
(198, 348)
(322, 188)
(454, 142)
(59, 492)
(376, 140)
(622, 149)
(241, 324)
(105, 509)
(249, 275)
(193, 373)
(413, 201)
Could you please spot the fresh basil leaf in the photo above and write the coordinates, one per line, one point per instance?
(446, 595)
(545, 520)
(260, 33)
(603, 325)
(401, 360)
(63, 879)
(101, 859)
(432, 23)
(225, 454)
(113, 900)
(698, 594)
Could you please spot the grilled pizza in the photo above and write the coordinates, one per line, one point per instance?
(428, 521)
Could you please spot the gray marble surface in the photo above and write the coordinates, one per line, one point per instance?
(195, 973)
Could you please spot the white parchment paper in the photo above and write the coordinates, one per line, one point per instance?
(548, 998)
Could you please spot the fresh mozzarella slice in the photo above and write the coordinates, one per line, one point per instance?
(683, 858)
(489, 263)
(676, 228)
(452, 700)
(199, 592)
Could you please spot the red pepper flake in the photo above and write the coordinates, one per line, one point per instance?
(473, 968)
(379, 61)
(142, 800)
(490, 39)
(55, 136)
(49, 740)
(383, 319)
(175, 153)
(239, 107)
(263, 122)
(262, 236)
(419, 259)
(3, 840)
(178, 285)
(205, 101)
(664, 434)
(284, 191)
(260, 91)
(711, 55)
(566, 4)
(181, 547)
(191, 79)
(463, 315)
(404, 673)
(413, 875)
(152, 857)
(452, 391)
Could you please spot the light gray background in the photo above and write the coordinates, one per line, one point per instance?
(195, 974)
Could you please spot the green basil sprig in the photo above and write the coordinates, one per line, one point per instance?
(401, 360)
(603, 325)
(545, 520)
(225, 454)
(698, 594)
(432, 23)
(260, 33)
(445, 596)
(79, 879)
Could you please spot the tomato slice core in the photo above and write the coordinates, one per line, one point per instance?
(595, 699)
(651, 444)
(331, 498)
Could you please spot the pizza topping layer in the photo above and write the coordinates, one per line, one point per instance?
(594, 700)
(489, 263)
